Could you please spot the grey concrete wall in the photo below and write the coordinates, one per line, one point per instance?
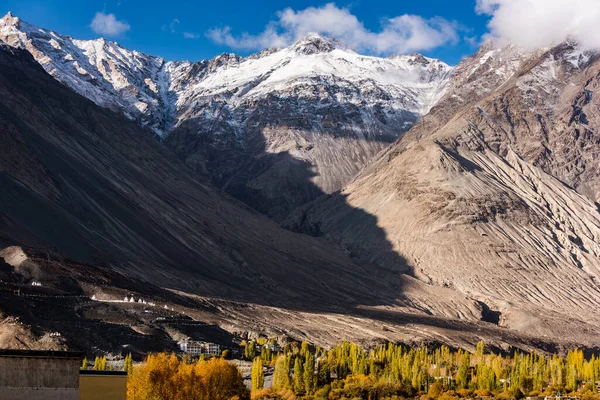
(32, 372)
(13, 393)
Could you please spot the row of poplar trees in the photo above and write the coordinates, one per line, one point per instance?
(101, 365)
(412, 371)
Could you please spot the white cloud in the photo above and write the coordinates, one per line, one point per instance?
(400, 34)
(172, 27)
(107, 24)
(541, 23)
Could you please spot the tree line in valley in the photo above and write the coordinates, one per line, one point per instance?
(348, 371)
(100, 364)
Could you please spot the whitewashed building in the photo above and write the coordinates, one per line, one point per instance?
(197, 348)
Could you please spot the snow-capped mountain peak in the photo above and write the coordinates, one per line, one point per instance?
(313, 43)
(101, 70)
(10, 18)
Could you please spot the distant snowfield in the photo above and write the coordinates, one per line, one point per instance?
(284, 69)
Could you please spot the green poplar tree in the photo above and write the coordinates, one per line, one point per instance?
(281, 375)
(250, 351)
(462, 379)
(298, 376)
(309, 373)
(258, 375)
(323, 376)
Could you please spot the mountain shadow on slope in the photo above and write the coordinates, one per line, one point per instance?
(105, 192)
(273, 164)
(82, 181)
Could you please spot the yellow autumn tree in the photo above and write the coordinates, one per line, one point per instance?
(221, 380)
(258, 376)
(155, 379)
(165, 377)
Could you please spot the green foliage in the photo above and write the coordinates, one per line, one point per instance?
(258, 375)
(480, 350)
(391, 371)
(298, 376)
(128, 364)
(100, 363)
(309, 373)
(462, 379)
(250, 350)
(349, 371)
(281, 376)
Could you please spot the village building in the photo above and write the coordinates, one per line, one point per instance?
(273, 347)
(196, 348)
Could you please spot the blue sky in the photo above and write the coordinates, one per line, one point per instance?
(194, 30)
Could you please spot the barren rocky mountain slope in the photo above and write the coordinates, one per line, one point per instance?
(480, 222)
(275, 129)
(89, 184)
(493, 193)
(88, 190)
(109, 212)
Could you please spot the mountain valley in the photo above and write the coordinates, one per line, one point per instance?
(306, 192)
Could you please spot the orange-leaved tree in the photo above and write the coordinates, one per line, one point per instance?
(165, 377)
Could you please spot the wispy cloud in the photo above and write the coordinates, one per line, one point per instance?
(401, 34)
(108, 25)
(473, 41)
(171, 26)
(540, 23)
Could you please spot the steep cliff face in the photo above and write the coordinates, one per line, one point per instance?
(485, 194)
(275, 129)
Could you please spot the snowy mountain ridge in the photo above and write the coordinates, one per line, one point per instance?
(275, 129)
(160, 93)
(104, 72)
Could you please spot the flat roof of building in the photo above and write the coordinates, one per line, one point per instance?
(41, 353)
